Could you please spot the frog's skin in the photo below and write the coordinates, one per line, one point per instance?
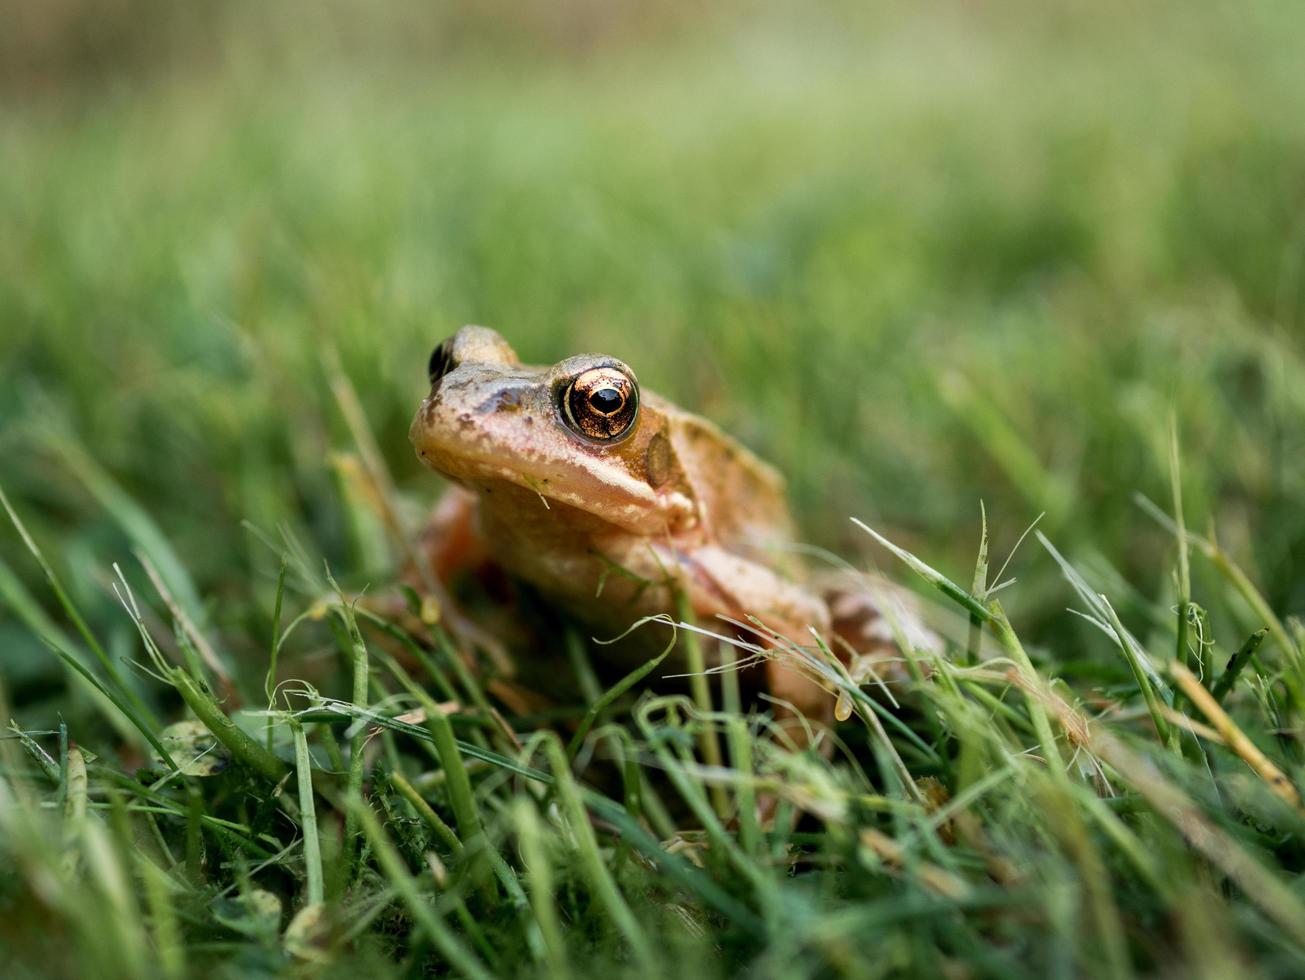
(607, 514)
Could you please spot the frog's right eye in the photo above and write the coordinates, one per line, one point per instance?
(441, 361)
(601, 404)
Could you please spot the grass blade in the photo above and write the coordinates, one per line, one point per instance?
(1235, 738)
(935, 578)
(591, 861)
(1245, 653)
(614, 692)
(308, 818)
(423, 912)
(244, 748)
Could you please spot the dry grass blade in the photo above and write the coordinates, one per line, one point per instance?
(1235, 738)
(1278, 901)
(211, 659)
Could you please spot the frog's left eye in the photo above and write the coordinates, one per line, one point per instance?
(441, 361)
(601, 404)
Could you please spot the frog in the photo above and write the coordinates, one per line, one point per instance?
(617, 506)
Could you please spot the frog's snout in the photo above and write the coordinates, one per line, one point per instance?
(421, 423)
(467, 417)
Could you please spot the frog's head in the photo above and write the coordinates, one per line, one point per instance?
(579, 433)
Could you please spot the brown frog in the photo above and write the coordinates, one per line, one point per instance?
(608, 499)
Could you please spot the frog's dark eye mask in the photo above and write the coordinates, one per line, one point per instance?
(601, 404)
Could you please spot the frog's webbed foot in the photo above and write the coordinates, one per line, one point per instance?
(870, 621)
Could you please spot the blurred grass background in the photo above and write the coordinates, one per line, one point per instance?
(918, 256)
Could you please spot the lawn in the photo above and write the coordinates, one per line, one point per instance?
(954, 270)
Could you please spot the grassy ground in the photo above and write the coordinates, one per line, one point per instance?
(918, 259)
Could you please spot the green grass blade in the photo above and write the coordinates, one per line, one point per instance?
(423, 911)
(979, 586)
(612, 693)
(125, 692)
(591, 861)
(142, 725)
(316, 893)
(244, 748)
(1236, 662)
(935, 578)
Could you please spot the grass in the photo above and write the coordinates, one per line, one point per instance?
(949, 270)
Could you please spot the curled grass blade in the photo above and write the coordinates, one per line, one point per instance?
(614, 692)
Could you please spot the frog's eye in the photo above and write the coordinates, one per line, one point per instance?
(601, 404)
(441, 361)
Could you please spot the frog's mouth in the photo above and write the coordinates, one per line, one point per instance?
(631, 508)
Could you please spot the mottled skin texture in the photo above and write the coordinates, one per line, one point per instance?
(675, 503)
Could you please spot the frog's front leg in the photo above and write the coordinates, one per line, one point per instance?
(861, 621)
(451, 542)
(452, 548)
(722, 583)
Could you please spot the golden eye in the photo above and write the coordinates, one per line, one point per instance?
(601, 404)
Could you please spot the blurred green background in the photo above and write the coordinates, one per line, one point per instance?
(919, 256)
